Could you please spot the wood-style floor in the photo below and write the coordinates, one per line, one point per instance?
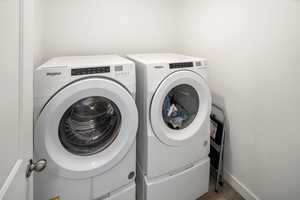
(225, 193)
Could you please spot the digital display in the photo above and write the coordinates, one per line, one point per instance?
(90, 70)
(181, 65)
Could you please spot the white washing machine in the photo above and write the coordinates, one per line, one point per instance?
(85, 128)
(174, 104)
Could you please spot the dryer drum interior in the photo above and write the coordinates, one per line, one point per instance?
(89, 126)
(180, 107)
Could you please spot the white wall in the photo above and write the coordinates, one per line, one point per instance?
(253, 48)
(77, 27)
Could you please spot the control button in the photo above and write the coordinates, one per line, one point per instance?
(199, 64)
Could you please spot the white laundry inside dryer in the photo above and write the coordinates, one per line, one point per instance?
(180, 106)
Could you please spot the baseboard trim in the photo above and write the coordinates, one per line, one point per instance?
(239, 186)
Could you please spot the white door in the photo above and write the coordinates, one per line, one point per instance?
(15, 104)
(179, 107)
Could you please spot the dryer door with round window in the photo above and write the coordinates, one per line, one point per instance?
(179, 107)
(86, 128)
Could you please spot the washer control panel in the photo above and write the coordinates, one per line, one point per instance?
(181, 65)
(90, 70)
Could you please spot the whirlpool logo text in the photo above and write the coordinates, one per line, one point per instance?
(53, 73)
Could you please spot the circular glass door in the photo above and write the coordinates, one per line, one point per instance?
(179, 107)
(89, 125)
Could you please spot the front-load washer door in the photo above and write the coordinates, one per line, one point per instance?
(86, 128)
(179, 107)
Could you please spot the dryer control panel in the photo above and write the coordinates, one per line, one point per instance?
(181, 65)
(90, 70)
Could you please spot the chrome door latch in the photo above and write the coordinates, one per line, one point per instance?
(37, 167)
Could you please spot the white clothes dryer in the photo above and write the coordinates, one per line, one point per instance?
(174, 104)
(85, 124)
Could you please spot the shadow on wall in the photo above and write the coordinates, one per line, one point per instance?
(220, 101)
